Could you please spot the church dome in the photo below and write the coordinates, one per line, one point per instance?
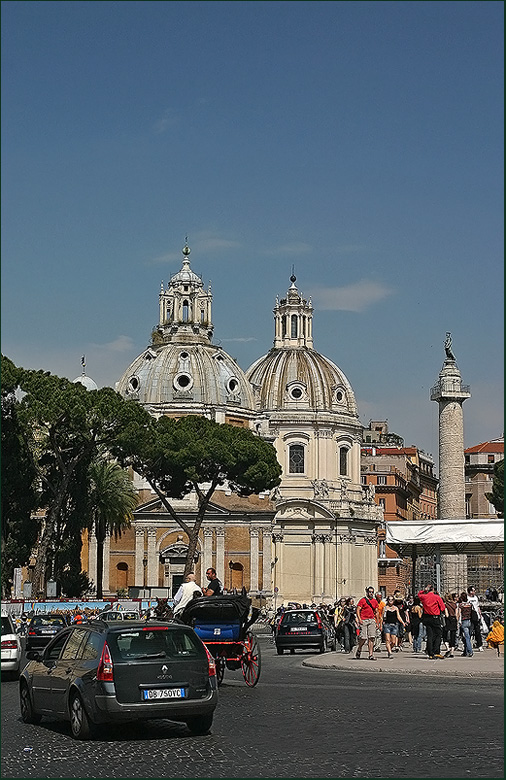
(182, 369)
(191, 375)
(300, 378)
(293, 376)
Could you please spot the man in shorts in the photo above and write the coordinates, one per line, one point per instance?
(368, 621)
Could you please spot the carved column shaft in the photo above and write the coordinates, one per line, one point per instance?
(207, 557)
(266, 561)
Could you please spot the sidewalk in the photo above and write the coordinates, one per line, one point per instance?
(485, 665)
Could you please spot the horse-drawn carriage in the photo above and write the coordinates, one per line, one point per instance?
(222, 623)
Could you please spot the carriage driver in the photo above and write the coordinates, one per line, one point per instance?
(215, 588)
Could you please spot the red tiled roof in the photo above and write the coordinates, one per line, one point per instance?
(487, 446)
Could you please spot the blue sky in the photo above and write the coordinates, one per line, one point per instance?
(361, 142)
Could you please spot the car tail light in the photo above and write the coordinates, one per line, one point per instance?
(155, 628)
(319, 621)
(9, 644)
(211, 663)
(32, 633)
(105, 671)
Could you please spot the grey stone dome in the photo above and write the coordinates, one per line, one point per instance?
(300, 378)
(193, 375)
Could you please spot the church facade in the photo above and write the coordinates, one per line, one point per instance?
(314, 538)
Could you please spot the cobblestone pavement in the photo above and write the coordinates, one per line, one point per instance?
(299, 722)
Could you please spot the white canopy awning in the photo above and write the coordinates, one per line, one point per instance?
(448, 537)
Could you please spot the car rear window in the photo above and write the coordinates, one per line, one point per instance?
(155, 643)
(6, 626)
(48, 620)
(299, 618)
(131, 616)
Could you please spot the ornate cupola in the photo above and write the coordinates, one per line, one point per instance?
(293, 318)
(185, 307)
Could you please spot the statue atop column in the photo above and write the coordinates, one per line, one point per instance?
(448, 347)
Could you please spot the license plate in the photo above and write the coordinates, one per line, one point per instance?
(164, 693)
(293, 630)
(48, 630)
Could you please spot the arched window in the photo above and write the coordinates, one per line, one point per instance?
(122, 575)
(186, 311)
(294, 326)
(343, 461)
(296, 459)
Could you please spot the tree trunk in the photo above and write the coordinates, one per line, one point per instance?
(100, 567)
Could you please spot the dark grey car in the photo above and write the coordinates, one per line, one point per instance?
(114, 672)
(304, 629)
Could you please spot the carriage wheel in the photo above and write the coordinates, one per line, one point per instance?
(250, 660)
(220, 669)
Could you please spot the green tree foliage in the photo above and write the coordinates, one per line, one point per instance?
(19, 493)
(496, 497)
(67, 427)
(194, 453)
(113, 499)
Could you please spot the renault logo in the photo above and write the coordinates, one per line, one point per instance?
(165, 669)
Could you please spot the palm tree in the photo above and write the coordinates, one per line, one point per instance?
(113, 499)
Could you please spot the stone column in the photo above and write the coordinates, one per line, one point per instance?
(320, 572)
(267, 561)
(207, 556)
(450, 394)
(327, 571)
(277, 569)
(92, 557)
(106, 563)
(253, 585)
(220, 554)
(139, 557)
(152, 559)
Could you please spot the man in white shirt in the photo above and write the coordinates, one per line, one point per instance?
(476, 623)
(185, 594)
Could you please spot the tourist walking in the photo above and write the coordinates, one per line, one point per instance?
(451, 623)
(415, 616)
(464, 611)
(475, 618)
(392, 620)
(368, 621)
(350, 625)
(339, 621)
(381, 607)
(433, 607)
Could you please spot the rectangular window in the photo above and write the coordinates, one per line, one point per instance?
(491, 458)
(382, 502)
(343, 461)
(296, 459)
(382, 480)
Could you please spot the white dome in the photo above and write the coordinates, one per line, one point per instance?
(86, 381)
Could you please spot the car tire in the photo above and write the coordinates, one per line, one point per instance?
(280, 650)
(322, 647)
(28, 714)
(80, 724)
(200, 724)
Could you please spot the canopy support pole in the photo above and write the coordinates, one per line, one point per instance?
(413, 570)
(438, 568)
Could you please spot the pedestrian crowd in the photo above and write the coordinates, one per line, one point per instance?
(445, 625)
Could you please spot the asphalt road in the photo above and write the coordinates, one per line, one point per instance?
(298, 722)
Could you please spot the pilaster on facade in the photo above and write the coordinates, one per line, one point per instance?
(106, 562)
(92, 557)
(152, 559)
(267, 561)
(139, 557)
(220, 554)
(207, 558)
(254, 559)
